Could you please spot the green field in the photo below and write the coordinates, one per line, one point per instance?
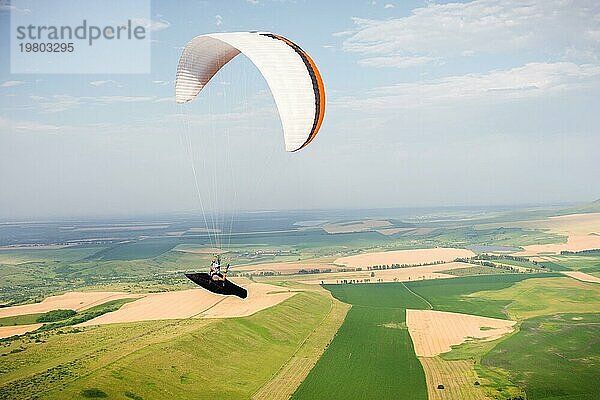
(83, 316)
(62, 318)
(516, 263)
(20, 320)
(454, 294)
(374, 334)
(139, 249)
(23, 255)
(531, 300)
(372, 356)
(585, 263)
(552, 266)
(535, 297)
(184, 359)
(477, 270)
(552, 357)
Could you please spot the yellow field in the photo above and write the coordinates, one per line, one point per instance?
(574, 224)
(410, 257)
(284, 267)
(197, 303)
(8, 331)
(582, 232)
(77, 301)
(458, 378)
(582, 276)
(393, 231)
(387, 275)
(435, 332)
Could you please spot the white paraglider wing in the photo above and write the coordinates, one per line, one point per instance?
(292, 76)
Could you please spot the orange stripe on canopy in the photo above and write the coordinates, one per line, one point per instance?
(321, 100)
(320, 87)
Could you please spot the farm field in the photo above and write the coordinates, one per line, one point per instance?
(55, 319)
(20, 319)
(355, 226)
(573, 243)
(378, 314)
(458, 378)
(531, 298)
(77, 301)
(195, 303)
(300, 200)
(456, 295)
(425, 272)
(175, 354)
(371, 355)
(22, 255)
(552, 356)
(582, 276)
(283, 385)
(285, 267)
(535, 297)
(476, 270)
(415, 256)
(372, 346)
(20, 329)
(589, 264)
(141, 249)
(577, 224)
(581, 232)
(435, 332)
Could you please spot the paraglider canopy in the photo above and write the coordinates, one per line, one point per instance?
(291, 74)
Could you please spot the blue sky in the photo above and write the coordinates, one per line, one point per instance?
(429, 103)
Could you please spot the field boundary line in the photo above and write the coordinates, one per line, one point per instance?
(297, 350)
(419, 296)
(206, 309)
(294, 357)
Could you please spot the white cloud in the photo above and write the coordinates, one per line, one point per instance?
(118, 99)
(389, 6)
(396, 61)
(56, 103)
(530, 80)
(152, 25)
(27, 125)
(103, 83)
(553, 28)
(218, 20)
(64, 102)
(255, 2)
(170, 99)
(158, 82)
(11, 83)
